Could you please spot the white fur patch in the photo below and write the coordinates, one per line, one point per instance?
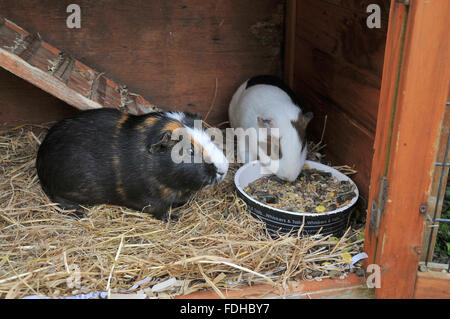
(270, 102)
(177, 116)
(216, 156)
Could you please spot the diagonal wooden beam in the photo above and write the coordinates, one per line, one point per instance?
(61, 75)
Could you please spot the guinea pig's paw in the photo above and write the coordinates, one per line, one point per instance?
(71, 209)
(170, 217)
(178, 204)
(161, 212)
(77, 214)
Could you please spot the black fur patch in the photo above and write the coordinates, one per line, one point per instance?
(275, 81)
(102, 157)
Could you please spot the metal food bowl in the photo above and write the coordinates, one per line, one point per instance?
(282, 221)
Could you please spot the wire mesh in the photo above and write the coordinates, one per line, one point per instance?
(435, 222)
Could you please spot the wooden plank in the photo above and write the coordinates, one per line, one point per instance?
(360, 6)
(343, 135)
(36, 106)
(343, 33)
(432, 285)
(350, 287)
(354, 91)
(383, 131)
(289, 47)
(412, 104)
(338, 66)
(431, 266)
(59, 74)
(171, 52)
(44, 80)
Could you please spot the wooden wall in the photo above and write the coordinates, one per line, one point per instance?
(23, 103)
(187, 55)
(192, 55)
(336, 70)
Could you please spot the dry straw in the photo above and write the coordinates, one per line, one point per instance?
(215, 244)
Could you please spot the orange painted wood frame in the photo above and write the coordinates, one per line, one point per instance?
(350, 287)
(414, 89)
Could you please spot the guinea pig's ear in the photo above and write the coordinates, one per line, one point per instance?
(265, 122)
(306, 118)
(164, 143)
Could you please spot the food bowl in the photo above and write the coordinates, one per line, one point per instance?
(283, 221)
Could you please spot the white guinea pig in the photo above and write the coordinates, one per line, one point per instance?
(264, 101)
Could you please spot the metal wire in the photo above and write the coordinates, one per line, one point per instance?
(444, 164)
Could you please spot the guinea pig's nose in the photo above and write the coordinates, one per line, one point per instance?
(220, 173)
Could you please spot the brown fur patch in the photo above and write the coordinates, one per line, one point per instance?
(119, 184)
(198, 148)
(300, 126)
(205, 153)
(116, 161)
(120, 190)
(150, 120)
(172, 126)
(165, 192)
(122, 120)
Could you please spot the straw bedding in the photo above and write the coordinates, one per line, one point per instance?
(215, 244)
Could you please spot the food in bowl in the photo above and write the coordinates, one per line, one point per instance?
(314, 191)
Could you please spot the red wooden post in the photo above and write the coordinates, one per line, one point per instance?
(413, 94)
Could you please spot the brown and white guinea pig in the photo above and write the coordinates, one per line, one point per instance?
(264, 101)
(103, 156)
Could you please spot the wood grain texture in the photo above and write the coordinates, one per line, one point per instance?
(34, 107)
(63, 76)
(337, 73)
(432, 285)
(340, 126)
(170, 52)
(34, 60)
(413, 94)
(342, 32)
(360, 6)
(289, 43)
(351, 90)
(385, 112)
(350, 287)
